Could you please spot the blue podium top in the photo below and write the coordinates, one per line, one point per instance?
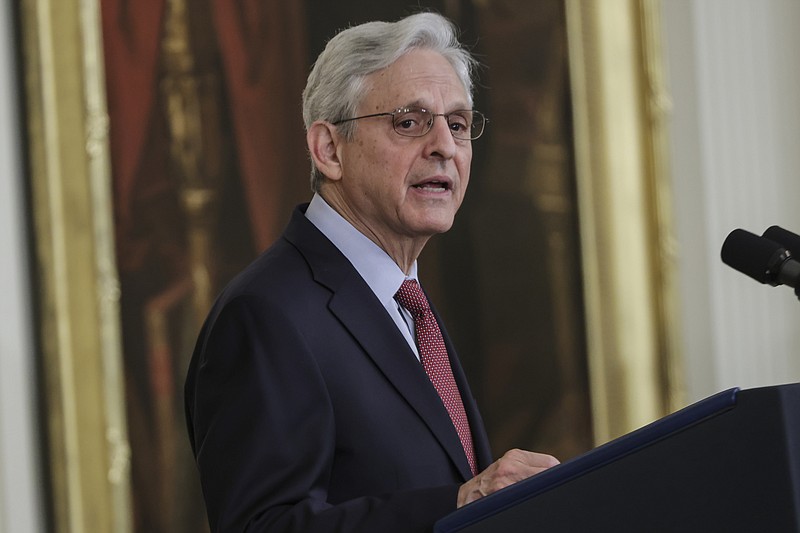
(591, 460)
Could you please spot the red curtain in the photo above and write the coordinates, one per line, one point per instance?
(262, 44)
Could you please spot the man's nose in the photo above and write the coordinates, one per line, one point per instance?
(441, 142)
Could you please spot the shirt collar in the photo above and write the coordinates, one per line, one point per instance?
(373, 264)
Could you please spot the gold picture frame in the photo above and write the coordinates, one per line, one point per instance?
(620, 103)
(627, 247)
(87, 452)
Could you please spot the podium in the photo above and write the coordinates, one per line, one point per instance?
(729, 463)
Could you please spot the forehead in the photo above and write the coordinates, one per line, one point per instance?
(421, 77)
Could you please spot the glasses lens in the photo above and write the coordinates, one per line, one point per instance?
(460, 123)
(412, 122)
(464, 124)
(478, 123)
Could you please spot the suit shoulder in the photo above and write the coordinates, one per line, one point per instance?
(279, 270)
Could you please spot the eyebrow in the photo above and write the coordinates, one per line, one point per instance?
(419, 104)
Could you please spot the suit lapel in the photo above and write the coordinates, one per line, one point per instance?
(388, 349)
(359, 310)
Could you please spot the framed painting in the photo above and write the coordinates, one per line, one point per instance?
(166, 150)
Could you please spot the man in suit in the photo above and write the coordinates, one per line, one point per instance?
(320, 397)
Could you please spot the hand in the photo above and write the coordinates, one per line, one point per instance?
(514, 466)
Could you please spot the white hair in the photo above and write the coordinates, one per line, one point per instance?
(336, 83)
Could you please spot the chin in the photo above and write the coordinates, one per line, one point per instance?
(437, 227)
(431, 222)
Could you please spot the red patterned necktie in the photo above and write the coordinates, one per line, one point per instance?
(433, 354)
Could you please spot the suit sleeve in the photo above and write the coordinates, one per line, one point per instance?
(263, 432)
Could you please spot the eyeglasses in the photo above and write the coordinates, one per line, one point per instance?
(464, 124)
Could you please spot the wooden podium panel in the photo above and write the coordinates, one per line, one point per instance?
(728, 463)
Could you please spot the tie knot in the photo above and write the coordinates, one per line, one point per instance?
(411, 297)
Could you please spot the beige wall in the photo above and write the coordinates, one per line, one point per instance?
(735, 136)
(20, 488)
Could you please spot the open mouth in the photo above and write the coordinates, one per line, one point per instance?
(433, 186)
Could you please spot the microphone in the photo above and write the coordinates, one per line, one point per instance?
(763, 259)
(789, 240)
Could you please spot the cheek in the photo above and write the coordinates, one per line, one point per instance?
(464, 166)
(360, 159)
(390, 164)
(370, 154)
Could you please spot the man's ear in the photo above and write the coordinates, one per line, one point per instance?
(323, 140)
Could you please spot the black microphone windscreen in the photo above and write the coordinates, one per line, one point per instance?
(789, 240)
(750, 254)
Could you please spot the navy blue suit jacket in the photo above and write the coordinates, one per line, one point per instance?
(308, 411)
